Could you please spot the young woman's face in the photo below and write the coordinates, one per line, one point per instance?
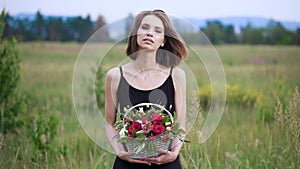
(150, 34)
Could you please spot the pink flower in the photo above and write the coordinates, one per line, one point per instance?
(152, 138)
(147, 127)
(156, 118)
(165, 138)
(144, 120)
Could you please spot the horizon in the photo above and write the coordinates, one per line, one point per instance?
(32, 14)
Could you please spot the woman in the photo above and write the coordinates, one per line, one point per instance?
(152, 76)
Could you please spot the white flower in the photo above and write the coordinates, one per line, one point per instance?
(122, 132)
(141, 131)
(168, 123)
(168, 128)
(141, 110)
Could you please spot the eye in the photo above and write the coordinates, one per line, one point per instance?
(144, 26)
(158, 31)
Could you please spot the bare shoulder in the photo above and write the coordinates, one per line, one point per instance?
(179, 74)
(113, 73)
(179, 78)
(113, 76)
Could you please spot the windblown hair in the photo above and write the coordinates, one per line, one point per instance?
(174, 49)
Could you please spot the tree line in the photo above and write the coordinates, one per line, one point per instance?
(81, 28)
(273, 34)
(53, 28)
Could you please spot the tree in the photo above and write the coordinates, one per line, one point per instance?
(39, 26)
(21, 29)
(81, 29)
(280, 35)
(102, 34)
(230, 36)
(297, 37)
(252, 35)
(57, 30)
(214, 31)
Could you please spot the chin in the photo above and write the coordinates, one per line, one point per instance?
(150, 48)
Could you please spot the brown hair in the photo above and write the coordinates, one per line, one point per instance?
(174, 49)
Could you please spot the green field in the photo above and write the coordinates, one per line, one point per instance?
(247, 136)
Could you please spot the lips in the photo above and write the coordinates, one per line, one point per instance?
(148, 40)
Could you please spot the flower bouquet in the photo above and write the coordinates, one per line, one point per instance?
(147, 127)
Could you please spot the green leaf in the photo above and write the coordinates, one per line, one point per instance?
(175, 116)
(139, 148)
(140, 135)
(134, 133)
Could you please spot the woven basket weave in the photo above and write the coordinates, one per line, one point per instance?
(158, 142)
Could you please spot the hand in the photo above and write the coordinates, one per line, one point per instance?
(126, 156)
(165, 157)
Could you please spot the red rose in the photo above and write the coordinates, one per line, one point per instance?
(158, 129)
(134, 126)
(156, 118)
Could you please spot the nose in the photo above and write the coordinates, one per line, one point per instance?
(149, 34)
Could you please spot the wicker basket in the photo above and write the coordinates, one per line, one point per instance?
(134, 143)
(159, 143)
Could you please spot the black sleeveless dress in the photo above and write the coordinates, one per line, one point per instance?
(128, 96)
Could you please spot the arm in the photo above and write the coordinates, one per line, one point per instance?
(111, 108)
(180, 101)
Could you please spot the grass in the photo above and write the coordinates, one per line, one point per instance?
(242, 140)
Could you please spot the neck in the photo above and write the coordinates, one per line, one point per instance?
(146, 60)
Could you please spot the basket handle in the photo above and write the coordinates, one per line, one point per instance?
(148, 104)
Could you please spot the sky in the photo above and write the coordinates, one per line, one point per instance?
(280, 10)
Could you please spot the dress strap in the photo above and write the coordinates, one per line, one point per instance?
(121, 71)
(171, 70)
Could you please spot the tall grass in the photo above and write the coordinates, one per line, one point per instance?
(242, 140)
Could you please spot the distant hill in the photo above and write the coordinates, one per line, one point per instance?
(239, 22)
(193, 24)
(28, 16)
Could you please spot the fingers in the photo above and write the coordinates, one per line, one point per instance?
(163, 151)
(127, 156)
(165, 157)
(125, 153)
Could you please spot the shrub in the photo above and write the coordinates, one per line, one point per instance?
(10, 100)
(42, 130)
(100, 87)
(235, 95)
